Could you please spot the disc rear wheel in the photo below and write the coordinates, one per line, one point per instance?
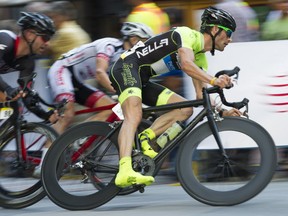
(229, 177)
(80, 167)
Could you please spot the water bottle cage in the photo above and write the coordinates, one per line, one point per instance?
(144, 137)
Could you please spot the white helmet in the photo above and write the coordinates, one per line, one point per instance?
(136, 29)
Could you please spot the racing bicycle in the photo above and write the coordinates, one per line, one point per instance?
(208, 165)
(21, 149)
(21, 144)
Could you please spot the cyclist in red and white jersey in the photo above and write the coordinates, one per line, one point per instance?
(68, 74)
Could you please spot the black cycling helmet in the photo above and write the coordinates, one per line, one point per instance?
(215, 16)
(41, 23)
(136, 29)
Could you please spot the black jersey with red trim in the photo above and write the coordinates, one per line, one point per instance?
(25, 65)
(8, 61)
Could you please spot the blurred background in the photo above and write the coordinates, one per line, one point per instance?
(103, 17)
(258, 48)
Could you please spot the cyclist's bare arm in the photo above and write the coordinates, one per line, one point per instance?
(198, 85)
(101, 74)
(186, 57)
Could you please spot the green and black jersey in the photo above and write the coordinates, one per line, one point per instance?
(156, 56)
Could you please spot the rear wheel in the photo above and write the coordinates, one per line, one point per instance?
(80, 167)
(18, 189)
(227, 179)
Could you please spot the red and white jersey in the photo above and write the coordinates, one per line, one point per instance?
(83, 58)
(79, 64)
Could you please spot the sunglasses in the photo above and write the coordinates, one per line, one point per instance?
(45, 37)
(227, 30)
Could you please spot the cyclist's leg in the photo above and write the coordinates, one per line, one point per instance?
(59, 127)
(59, 79)
(65, 121)
(127, 83)
(62, 87)
(132, 110)
(156, 94)
(99, 99)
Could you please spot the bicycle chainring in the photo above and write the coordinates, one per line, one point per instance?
(143, 164)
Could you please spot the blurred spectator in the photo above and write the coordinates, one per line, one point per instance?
(275, 26)
(38, 7)
(175, 16)
(276, 9)
(147, 12)
(10, 25)
(246, 19)
(174, 79)
(68, 33)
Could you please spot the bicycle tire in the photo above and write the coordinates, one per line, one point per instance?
(212, 181)
(18, 189)
(61, 172)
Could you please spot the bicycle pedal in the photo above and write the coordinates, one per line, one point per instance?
(139, 187)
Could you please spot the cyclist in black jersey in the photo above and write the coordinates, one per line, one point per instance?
(17, 54)
(180, 48)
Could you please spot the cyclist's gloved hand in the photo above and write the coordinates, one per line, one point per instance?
(12, 92)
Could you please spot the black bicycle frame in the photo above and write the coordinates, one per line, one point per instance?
(206, 111)
(15, 120)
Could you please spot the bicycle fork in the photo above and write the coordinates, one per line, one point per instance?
(212, 123)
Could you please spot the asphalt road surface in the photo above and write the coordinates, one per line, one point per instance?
(170, 200)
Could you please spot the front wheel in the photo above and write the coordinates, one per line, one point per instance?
(229, 177)
(18, 189)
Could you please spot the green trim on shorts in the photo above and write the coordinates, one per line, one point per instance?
(164, 97)
(132, 91)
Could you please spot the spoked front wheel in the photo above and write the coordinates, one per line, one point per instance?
(232, 176)
(18, 189)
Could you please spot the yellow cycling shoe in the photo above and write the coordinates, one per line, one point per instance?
(146, 148)
(126, 179)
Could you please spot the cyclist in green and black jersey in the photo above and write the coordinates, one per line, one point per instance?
(181, 48)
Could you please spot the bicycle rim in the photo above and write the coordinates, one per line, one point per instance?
(79, 169)
(18, 188)
(216, 179)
